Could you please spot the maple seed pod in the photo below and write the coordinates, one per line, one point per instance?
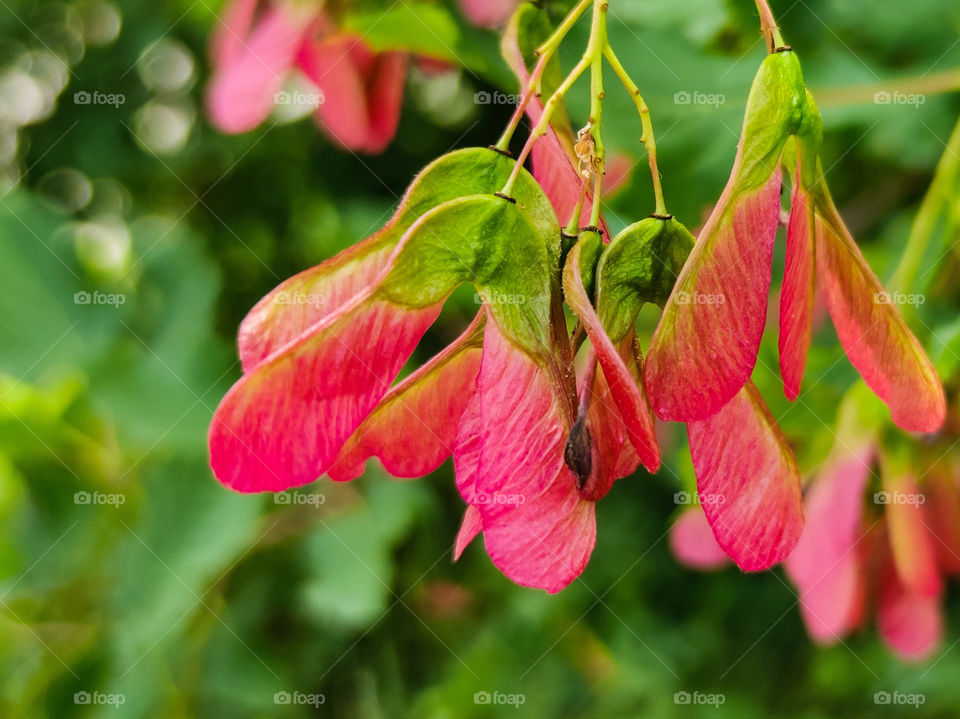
(577, 452)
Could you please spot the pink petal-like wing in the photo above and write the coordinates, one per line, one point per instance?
(343, 114)
(625, 387)
(306, 298)
(469, 529)
(826, 566)
(489, 14)
(283, 424)
(241, 93)
(692, 541)
(912, 624)
(537, 529)
(301, 301)
(362, 55)
(433, 66)
(466, 451)
(613, 454)
(748, 478)
(912, 545)
(598, 448)
(385, 98)
(796, 295)
(705, 346)
(943, 497)
(230, 31)
(872, 332)
(414, 427)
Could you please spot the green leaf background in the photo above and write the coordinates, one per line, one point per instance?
(191, 601)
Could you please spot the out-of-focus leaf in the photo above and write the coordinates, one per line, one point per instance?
(350, 556)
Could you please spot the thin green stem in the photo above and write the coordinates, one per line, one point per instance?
(540, 129)
(769, 26)
(503, 144)
(598, 41)
(648, 139)
(598, 48)
(595, 207)
(553, 42)
(573, 225)
(593, 53)
(545, 54)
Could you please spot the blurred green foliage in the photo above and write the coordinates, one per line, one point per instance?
(156, 584)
